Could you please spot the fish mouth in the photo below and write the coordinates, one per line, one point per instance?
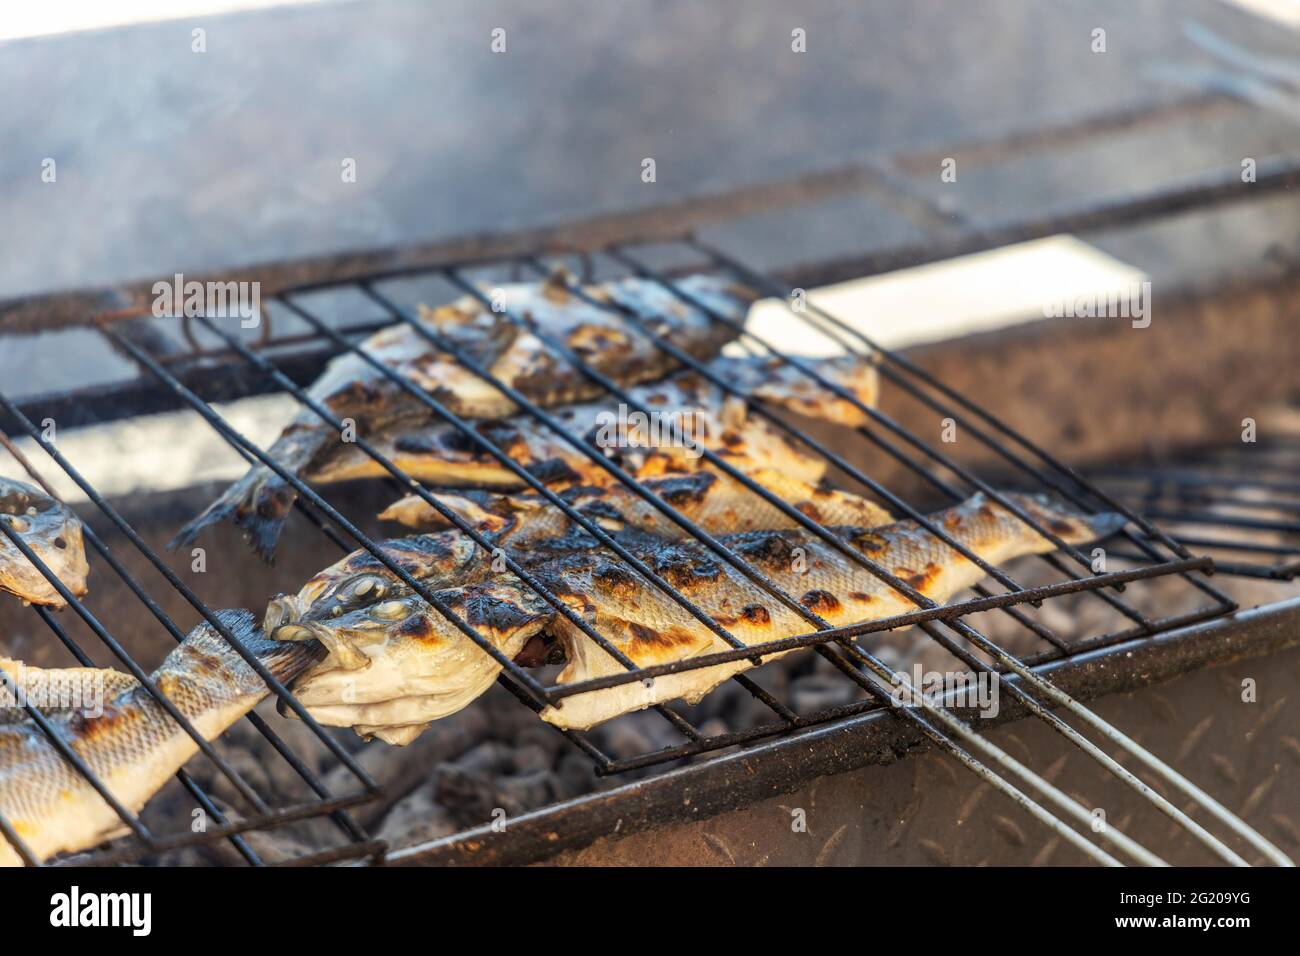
(281, 610)
(343, 651)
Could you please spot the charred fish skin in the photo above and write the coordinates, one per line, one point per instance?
(527, 526)
(713, 501)
(650, 628)
(688, 413)
(131, 743)
(404, 655)
(53, 533)
(350, 388)
(360, 580)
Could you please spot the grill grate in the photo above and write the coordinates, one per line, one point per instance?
(939, 476)
(1238, 503)
(146, 841)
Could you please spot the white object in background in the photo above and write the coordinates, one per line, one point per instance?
(942, 300)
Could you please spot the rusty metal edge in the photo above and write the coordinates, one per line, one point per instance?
(43, 311)
(736, 780)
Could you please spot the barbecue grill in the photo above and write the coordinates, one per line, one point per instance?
(315, 309)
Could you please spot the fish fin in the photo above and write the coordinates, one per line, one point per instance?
(394, 736)
(497, 517)
(283, 660)
(259, 503)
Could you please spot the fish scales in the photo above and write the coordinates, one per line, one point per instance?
(649, 627)
(350, 388)
(132, 744)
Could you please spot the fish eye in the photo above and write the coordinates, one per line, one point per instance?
(364, 587)
(60, 544)
(390, 611)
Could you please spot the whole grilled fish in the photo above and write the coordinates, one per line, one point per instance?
(127, 738)
(651, 629)
(54, 535)
(519, 523)
(351, 389)
(691, 413)
(648, 626)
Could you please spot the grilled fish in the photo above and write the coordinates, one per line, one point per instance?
(396, 665)
(691, 413)
(519, 523)
(648, 626)
(130, 742)
(352, 389)
(54, 535)
(651, 629)
(717, 503)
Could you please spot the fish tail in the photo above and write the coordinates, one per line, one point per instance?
(283, 660)
(259, 503)
(1069, 523)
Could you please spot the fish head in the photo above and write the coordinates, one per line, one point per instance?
(1066, 521)
(361, 580)
(346, 633)
(54, 535)
(409, 626)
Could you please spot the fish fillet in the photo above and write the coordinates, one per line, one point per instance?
(131, 744)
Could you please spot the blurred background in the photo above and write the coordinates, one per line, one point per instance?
(170, 159)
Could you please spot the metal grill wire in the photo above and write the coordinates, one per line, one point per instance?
(834, 643)
(147, 842)
(1240, 502)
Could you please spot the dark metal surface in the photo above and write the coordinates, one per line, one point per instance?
(874, 174)
(762, 772)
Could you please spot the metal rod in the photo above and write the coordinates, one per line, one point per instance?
(342, 819)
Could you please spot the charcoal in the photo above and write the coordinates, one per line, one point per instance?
(529, 791)
(531, 758)
(818, 692)
(469, 796)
